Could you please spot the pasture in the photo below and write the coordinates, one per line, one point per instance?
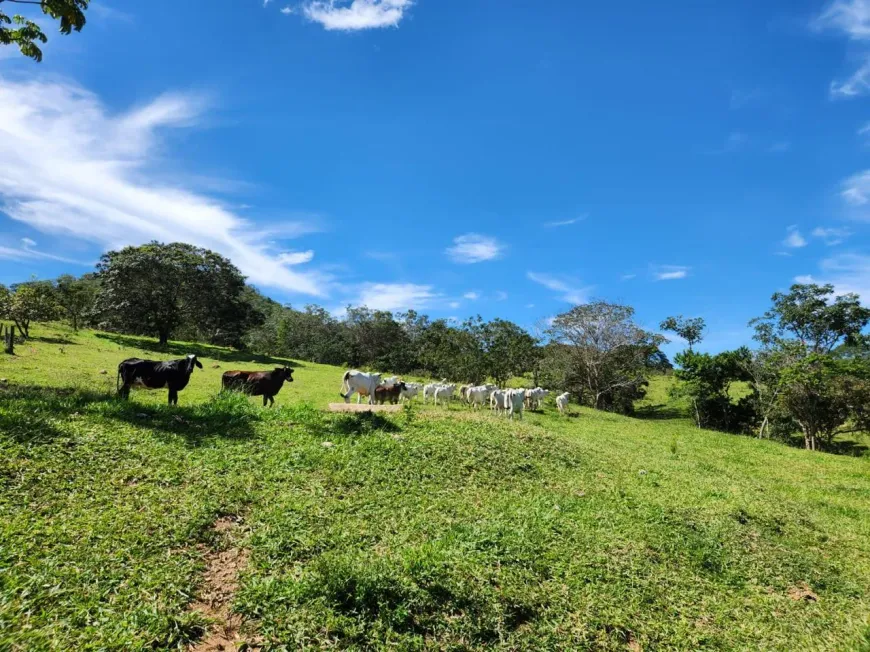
(139, 526)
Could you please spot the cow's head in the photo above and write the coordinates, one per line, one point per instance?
(402, 386)
(193, 362)
(284, 372)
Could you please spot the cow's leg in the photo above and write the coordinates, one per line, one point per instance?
(124, 392)
(173, 397)
(265, 399)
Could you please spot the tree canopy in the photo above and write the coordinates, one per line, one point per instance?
(27, 34)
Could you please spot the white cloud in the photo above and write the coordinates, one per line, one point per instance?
(856, 189)
(864, 130)
(530, 305)
(71, 167)
(628, 277)
(26, 254)
(395, 296)
(848, 273)
(852, 17)
(474, 248)
(288, 10)
(471, 296)
(501, 295)
(454, 304)
(670, 272)
(857, 84)
(558, 223)
(357, 14)
(832, 235)
(568, 291)
(266, 2)
(296, 257)
(27, 243)
(794, 239)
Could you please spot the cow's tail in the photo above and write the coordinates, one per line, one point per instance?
(345, 385)
(118, 380)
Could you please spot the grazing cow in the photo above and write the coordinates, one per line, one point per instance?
(479, 396)
(389, 393)
(535, 398)
(411, 390)
(444, 392)
(562, 402)
(258, 383)
(515, 402)
(359, 382)
(429, 391)
(497, 400)
(152, 374)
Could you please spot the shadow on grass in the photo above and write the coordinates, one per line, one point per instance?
(181, 349)
(53, 340)
(362, 423)
(659, 412)
(34, 414)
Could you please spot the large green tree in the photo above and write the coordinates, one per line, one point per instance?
(605, 354)
(818, 370)
(30, 302)
(158, 288)
(690, 329)
(76, 297)
(19, 31)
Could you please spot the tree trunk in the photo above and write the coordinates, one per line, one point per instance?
(163, 338)
(762, 428)
(697, 413)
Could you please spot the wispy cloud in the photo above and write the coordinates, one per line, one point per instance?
(558, 223)
(357, 14)
(670, 272)
(501, 295)
(856, 193)
(848, 273)
(736, 141)
(288, 10)
(831, 235)
(395, 296)
(27, 253)
(474, 248)
(71, 167)
(793, 238)
(27, 243)
(568, 289)
(296, 257)
(471, 296)
(851, 17)
(627, 277)
(857, 84)
(454, 304)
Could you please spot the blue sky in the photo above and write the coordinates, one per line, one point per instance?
(457, 157)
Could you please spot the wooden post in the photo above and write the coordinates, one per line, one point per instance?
(8, 339)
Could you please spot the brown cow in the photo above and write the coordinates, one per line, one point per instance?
(258, 383)
(389, 393)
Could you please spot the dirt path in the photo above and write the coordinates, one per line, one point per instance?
(219, 585)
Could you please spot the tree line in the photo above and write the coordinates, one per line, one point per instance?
(809, 373)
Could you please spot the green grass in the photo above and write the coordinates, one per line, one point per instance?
(432, 529)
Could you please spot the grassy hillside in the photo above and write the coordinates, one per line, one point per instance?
(434, 529)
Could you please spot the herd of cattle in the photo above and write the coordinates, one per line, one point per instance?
(379, 390)
(175, 375)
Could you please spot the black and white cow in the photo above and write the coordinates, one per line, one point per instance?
(152, 374)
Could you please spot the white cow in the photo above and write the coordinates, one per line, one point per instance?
(411, 390)
(429, 391)
(478, 396)
(535, 397)
(444, 392)
(497, 400)
(390, 380)
(562, 402)
(360, 383)
(515, 402)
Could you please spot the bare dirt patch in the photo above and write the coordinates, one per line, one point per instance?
(802, 592)
(220, 581)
